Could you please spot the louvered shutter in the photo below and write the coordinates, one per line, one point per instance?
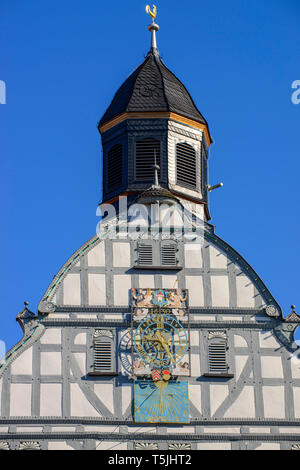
(186, 174)
(168, 254)
(103, 356)
(147, 152)
(145, 255)
(217, 357)
(115, 167)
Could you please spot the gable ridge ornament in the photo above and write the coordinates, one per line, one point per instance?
(293, 316)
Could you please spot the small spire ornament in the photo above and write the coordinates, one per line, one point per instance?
(153, 28)
(152, 13)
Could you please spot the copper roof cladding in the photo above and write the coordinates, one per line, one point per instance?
(152, 87)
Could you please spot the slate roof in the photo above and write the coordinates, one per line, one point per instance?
(152, 87)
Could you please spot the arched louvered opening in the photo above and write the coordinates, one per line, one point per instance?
(168, 254)
(114, 167)
(186, 166)
(217, 356)
(147, 153)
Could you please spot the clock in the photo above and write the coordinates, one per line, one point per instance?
(161, 341)
(161, 402)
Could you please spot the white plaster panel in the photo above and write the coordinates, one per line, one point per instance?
(218, 393)
(193, 255)
(271, 367)
(168, 281)
(29, 429)
(72, 289)
(121, 255)
(122, 285)
(245, 292)
(97, 289)
(4, 429)
(146, 281)
(217, 259)
(268, 340)
(220, 291)
(274, 402)
(105, 394)
(295, 366)
(244, 405)
(80, 338)
(51, 400)
(63, 429)
(204, 318)
(296, 391)
(259, 430)
(80, 359)
(80, 406)
(51, 336)
(194, 338)
(182, 430)
(214, 446)
(50, 363)
(143, 430)
(126, 397)
(58, 316)
(20, 399)
(111, 445)
(195, 396)
(107, 429)
(59, 445)
(195, 286)
(23, 364)
(222, 430)
(289, 430)
(113, 317)
(0, 395)
(195, 365)
(240, 342)
(96, 257)
(240, 362)
(268, 446)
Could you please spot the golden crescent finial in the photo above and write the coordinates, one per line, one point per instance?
(151, 13)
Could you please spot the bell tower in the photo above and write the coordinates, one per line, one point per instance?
(153, 120)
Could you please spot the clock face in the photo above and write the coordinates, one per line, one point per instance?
(161, 341)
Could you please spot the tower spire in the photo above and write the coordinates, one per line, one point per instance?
(153, 28)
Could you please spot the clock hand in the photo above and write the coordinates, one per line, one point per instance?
(164, 344)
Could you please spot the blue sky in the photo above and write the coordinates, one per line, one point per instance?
(62, 61)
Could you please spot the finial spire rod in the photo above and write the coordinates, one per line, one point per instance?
(153, 28)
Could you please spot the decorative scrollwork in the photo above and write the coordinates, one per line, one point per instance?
(272, 311)
(146, 445)
(4, 446)
(217, 334)
(29, 446)
(179, 446)
(99, 333)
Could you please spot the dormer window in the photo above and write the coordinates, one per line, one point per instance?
(147, 153)
(186, 166)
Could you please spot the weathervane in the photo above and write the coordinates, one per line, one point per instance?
(151, 13)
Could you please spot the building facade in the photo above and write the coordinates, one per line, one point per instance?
(155, 334)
